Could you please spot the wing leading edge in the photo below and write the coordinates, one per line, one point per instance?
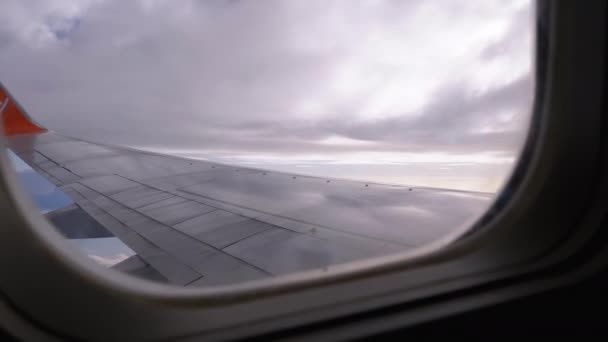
(197, 223)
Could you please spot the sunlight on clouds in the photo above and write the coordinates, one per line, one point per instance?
(484, 172)
(339, 140)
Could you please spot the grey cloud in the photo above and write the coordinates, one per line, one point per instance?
(445, 124)
(227, 75)
(450, 117)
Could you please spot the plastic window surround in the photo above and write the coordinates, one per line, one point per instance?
(537, 224)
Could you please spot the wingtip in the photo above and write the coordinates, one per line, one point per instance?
(14, 119)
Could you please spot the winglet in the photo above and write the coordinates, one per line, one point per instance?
(14, 119)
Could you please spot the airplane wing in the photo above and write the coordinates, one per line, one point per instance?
(198, 223)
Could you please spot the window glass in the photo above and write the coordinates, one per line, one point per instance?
(203, 143)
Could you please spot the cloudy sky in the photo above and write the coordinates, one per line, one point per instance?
(432, 93)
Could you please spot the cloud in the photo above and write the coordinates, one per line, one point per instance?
(275, 77)
(108, 261)
(454, 120)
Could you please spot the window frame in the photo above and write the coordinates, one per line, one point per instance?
(520, 247)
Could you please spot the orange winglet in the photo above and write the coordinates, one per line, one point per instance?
(14, 119)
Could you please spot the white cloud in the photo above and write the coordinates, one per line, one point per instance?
(108, 261)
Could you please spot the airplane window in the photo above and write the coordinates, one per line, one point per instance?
(211, 143)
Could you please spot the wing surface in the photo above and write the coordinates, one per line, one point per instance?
(198, 223)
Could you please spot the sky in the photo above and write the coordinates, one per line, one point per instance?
(434, 93)
(45, 195)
